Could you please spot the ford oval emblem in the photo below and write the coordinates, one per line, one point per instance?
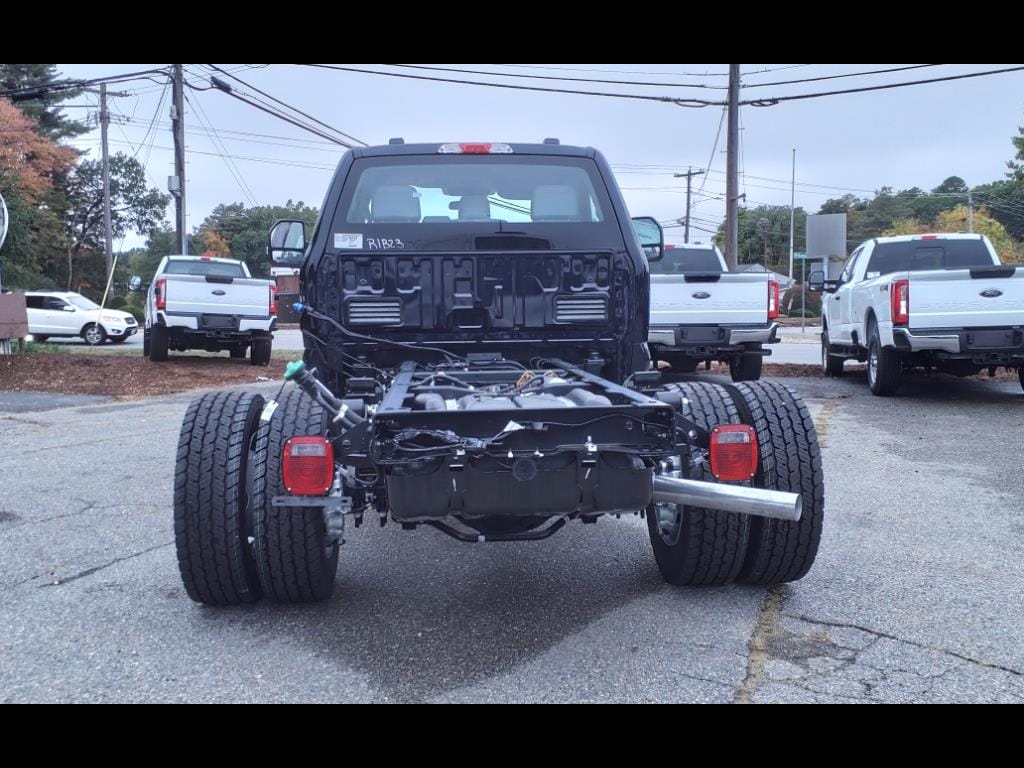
(991, 293)
(701, 295)
(218, 293)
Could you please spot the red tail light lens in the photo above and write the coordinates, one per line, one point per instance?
(308, 466)
(900, 297)
(734, 452)
(273, 299)
(160, 293)
(773, 300)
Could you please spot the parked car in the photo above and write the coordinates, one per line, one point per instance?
(200, 302)
(701, 312)
(939, 301)
(64, 314)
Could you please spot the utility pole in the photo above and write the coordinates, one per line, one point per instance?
(177, 182)
(690, 173)
(731, 166)
(970, 212)
(792, 213)
(104, 124)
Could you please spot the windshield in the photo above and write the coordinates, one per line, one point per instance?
(456, 202)
(917, 255)
(214, 268)
(687, 260)
(82, 303)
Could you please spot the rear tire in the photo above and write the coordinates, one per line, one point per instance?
(779, 551)
(293, 558)
(694, 546)
(212, 523)
(747, 367)
(261, 351)
(1020, 373)
(885, 369)
(831, 365)
(158, 343)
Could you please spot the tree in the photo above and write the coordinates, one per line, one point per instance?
(43, 107)
(133, 206)
(1016, 165)
(763, 235)
(28, 161)
(984, 224)
(905, 227)
(245, 229)
(215, 245)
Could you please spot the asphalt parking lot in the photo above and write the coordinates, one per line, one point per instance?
(917, 593)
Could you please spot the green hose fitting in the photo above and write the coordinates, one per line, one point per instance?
(294, 369)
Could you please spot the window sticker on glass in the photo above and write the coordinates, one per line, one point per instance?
(348, 240)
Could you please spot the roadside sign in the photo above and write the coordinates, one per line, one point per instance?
(799, 255)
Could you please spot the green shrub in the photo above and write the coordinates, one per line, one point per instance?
(791, 304)
(116, 302)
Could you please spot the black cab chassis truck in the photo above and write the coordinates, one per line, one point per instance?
(475, 319)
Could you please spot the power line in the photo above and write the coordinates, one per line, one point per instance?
(22, 94)
(288, 106)
(772, 101)
(554, 77)
(228, 162)
(714, 148)
(846, 74)
(694, 103)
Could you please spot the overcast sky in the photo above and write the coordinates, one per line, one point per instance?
(905, 137)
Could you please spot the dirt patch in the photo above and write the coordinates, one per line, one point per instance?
(128, 377)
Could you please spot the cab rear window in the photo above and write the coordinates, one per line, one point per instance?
(920, 255)
(204, 268)
(680, 260)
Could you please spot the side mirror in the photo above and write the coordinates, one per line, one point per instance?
(816, 281)
(652, 239)
(68, 308)
(135, 283)
(287, 243)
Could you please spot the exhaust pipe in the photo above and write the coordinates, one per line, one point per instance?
(780, 505)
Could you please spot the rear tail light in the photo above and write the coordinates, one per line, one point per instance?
(474, 149)
(900, 297)
(734, 452)
(773, 300)
(160, 293)
(273, 299)
(308, 466)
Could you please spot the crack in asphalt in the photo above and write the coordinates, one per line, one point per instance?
(89, 507)
(87, 571)
(766, 628)
(914, 643)
(62, 446)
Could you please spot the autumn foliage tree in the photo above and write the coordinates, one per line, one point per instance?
(28, 160)
(956, 221)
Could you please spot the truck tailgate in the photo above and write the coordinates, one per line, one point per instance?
(238, 296)
(712, 299)
(967, 298)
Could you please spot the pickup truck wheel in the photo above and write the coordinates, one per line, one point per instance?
(779, 550)
(261, 349)
(1020, 373)
(294, 558)
(747, 367)
(694, 546)
(158, 343)
(884, 367)
(831, 365)
(212, 523)
(94, 335)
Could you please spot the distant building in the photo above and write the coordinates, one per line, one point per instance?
(783, 280)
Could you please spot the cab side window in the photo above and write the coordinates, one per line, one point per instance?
(53, 303)
(851, 265)
(34, 302)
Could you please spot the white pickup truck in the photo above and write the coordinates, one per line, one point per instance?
(198, 302)
(939, 301)
(701, 312)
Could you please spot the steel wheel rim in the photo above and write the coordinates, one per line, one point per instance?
(873, 363)
(670, 522)
(824, 355)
